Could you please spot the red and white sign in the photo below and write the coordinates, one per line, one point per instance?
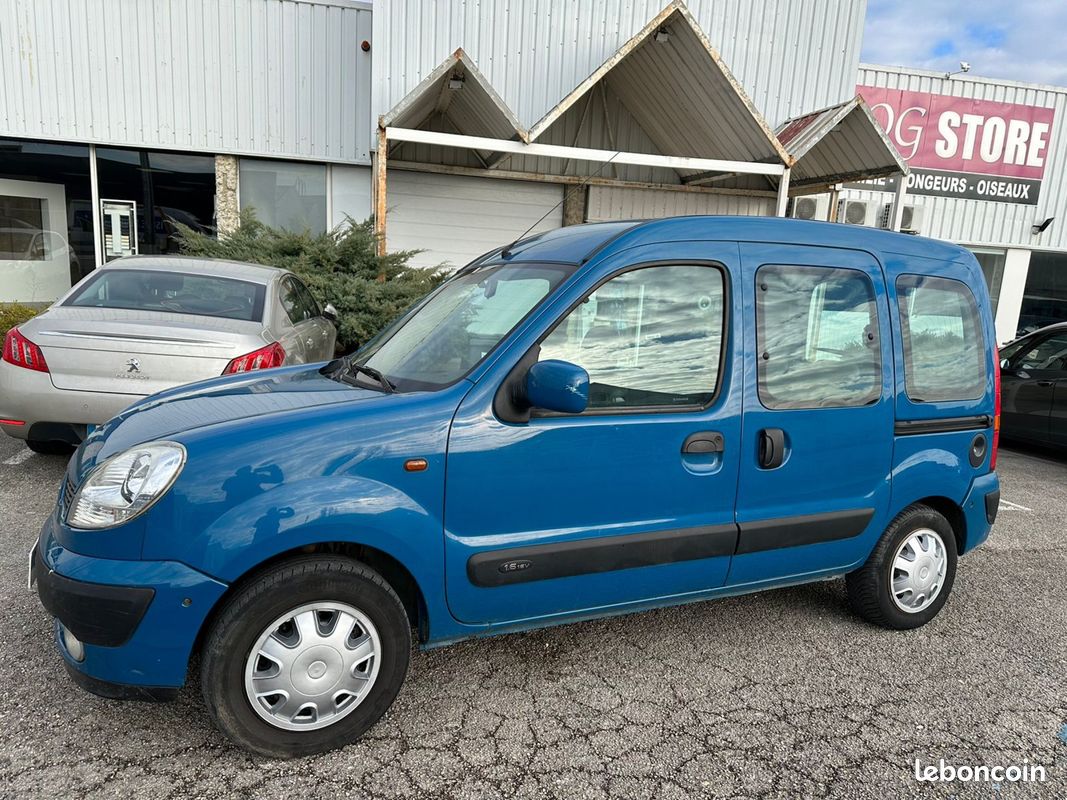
(958, 134)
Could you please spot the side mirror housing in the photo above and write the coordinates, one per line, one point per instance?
(330, 312)
(558, 386)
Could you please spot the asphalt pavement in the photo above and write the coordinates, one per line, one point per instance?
(782, 694)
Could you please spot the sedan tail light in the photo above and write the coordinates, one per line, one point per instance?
(21, 352)
(273, 355)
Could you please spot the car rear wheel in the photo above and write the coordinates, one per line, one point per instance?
(908, 577)
(306, 657)
(50, 447)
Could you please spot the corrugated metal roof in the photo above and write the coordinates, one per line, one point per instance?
(680, 92)
(840, 143)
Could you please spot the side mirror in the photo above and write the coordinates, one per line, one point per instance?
(330, 312)
(558, 386)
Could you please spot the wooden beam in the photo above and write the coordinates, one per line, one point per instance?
(380, 163)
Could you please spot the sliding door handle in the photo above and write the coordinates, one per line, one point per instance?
(771, 448)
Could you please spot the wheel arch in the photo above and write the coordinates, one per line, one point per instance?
(952, 512)
(392, 570)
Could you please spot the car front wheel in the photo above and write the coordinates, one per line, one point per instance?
(908, 577)
(306, 657)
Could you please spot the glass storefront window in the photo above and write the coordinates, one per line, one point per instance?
(992, 263)
(46, 223)
(168, 188)
(1045, 296)
(285, 194)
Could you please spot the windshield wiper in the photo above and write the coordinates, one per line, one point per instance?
(348, 367)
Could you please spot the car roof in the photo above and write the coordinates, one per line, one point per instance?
(217, 267)
(577, 244)
(1055, 326)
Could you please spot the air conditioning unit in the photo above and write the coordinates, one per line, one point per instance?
(812, 206)
(854, 212)
(911, 221)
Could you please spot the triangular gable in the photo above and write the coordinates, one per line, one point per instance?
(677, 88)
(840, 143)
(458, 91)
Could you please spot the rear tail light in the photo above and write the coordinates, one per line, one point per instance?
(21, 352)
(996, 414)
(273, 355)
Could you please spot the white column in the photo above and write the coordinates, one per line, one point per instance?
(1012, 286)
(783, 193)
(97, 217)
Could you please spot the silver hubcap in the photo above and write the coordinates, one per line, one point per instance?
(312, 666)
(919, 570)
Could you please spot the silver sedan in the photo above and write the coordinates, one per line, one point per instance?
(146, 323)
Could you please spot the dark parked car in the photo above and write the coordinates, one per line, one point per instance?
(1034, 375)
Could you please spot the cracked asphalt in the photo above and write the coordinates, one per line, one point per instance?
(779, 695)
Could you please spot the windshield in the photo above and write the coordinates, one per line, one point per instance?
(447, 336)
(174, 292)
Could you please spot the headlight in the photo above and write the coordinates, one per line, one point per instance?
(126, 485)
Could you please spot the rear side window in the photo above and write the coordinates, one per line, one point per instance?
(944, 349)
(297, 301)
(817, 337)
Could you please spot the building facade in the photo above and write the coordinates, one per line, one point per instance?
(121, 119)
(989, 171)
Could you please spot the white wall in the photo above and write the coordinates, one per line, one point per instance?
(615, 203)
(276, 78)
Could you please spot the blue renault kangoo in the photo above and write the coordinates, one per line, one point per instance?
(597, 420)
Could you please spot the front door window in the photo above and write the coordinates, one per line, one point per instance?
(649, 338)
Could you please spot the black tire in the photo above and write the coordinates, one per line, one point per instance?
(248, 613)
(49, 447)
(870, 587)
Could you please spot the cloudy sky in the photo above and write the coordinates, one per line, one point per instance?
(1024, 40)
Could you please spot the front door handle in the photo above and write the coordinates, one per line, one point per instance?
(1045, 383)
(771, 448)
(703, 442)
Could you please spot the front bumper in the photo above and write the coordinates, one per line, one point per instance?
(138, 620)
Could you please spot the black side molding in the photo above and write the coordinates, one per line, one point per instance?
(911, 427)
(774, 534)
(601, 554)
